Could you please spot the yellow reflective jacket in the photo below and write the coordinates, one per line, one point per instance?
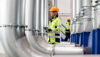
(55, 26)
(67, 26)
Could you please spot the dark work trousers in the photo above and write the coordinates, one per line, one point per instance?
(67, 33)
(57, 39)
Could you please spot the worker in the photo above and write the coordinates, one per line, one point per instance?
(54, 26)
(67, 29)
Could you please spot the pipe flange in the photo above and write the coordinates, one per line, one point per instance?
(21, 26)
(30, 30)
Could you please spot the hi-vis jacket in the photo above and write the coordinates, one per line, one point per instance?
(55, 26)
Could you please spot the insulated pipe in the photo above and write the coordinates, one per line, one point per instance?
(42, 15)
(20, 17)
(13, 46)
(97, 12)
(78, 24)
(46, 13)
(8, 21)
(72, 23)
(37, 14)
(29, 30)
(88, 26)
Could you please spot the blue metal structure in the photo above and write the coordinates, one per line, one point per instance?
(77, 38)
(86, 39)
(96, 41)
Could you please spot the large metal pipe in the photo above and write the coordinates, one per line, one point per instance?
(97, 12)
(88, 26)
(78, 23)
(37, 14)
(72, 23)
(46, 13)
(20, 18)
(13, 46)
(29, 30)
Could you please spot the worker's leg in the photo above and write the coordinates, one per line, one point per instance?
(66, 39)
(68, 34)
(51, 40)
(57, 40)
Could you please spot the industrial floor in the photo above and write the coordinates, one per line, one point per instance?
(2, 53)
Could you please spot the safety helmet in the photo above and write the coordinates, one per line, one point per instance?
(54, 8)
(68, 19)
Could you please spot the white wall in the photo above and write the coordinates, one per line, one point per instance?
(65, 9)
(64, 6)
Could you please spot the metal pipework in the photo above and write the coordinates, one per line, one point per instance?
(97, 13)
(46, 14)
(77, 16)
(8, 18)
(74, 12)
(42, 16)
(20, 18)
(13, 46)
(87, 18)
(29, 30)
(37, 15)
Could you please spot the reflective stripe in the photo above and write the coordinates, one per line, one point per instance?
(54, 37)
(58, 25)
(55, 32)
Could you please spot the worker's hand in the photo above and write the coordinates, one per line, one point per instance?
(49, 30)
(45, 28)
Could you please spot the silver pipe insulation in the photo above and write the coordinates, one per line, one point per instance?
(72, 23)
(8, 26)
(97, 13)
(13, 46)
(76, 11)
(46, 13)
(37, 14)
(29, 30)
(20, 18)
(83, 15)
(42, 16)
(87, 20)
(78, 22)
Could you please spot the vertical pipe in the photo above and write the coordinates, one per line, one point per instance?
(42, 15)
(46, 14)
(37, 14)
(87, 15)
(20, 17)
(8, 17)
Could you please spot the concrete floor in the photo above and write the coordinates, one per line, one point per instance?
(2, 53)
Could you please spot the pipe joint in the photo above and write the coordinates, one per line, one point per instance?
(21, 26)
(32, 30)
